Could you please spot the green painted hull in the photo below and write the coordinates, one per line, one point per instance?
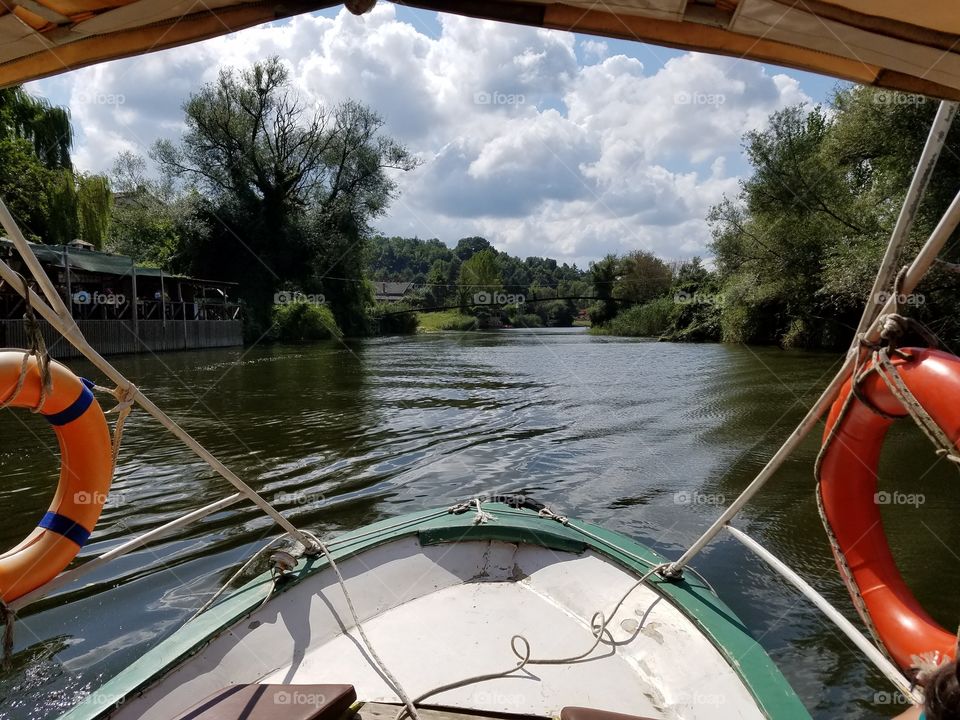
(773, 694)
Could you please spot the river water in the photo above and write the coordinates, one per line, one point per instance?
(646, 438)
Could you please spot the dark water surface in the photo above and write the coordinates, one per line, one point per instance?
(640, 436)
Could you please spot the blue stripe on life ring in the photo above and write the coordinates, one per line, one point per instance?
(62, 525)
(77, 408)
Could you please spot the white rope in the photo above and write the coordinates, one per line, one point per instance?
(598, 625)
(481, 516)
(59, 317)
(223, 588)
(38, 351)
(374, 656)
(126, 396)
(890, 375)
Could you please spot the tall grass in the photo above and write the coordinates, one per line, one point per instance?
(651, 319)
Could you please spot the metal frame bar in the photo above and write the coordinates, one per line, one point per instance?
(917, 269)
(69, 576)
(882, 663)
(58, 315)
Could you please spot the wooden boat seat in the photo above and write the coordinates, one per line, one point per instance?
(582, 713)
(274, 702)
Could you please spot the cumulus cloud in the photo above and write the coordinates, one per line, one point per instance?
(542, 141)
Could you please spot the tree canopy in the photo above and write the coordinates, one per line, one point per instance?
(796, 251)
(52, 202)
(288, 190)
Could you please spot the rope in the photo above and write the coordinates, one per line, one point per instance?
(894, 381)
(549, 514)
(481, 517)
(409, 705)
(38, 350)
(126, 397)
(597, 629)
(58, 315)
(893, 327)
(9, 617)
(223, 588)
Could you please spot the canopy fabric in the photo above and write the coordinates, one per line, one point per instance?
(910, 46)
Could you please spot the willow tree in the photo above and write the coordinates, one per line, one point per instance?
(52, 202)
(47, 127)
(94, 203)
(35, 141)
(291, 187)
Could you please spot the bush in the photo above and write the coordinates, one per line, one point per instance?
(600, 312)
(560, 313)
(651, 319)
(302, 322)
(393, 319)
(528, 321)
(447, 320)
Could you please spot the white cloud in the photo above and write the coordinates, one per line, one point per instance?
(520, 142)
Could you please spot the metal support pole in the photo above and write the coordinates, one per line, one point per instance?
(57, 315)
(134, 303)
(882, 663)
(918, 185)
(66, 270)
(925, 258)
(183, 308)
(163, 301)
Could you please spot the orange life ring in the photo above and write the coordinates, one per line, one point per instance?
(86, 472)
(847, 492)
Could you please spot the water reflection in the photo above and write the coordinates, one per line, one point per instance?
(647, 438)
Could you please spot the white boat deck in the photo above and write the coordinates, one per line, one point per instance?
(441, 613)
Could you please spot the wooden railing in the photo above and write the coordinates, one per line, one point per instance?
(113, 337)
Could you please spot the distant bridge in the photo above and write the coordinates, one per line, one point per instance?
(525, 301)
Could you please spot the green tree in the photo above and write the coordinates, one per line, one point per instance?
(642, 277)
(35, 176)
(603, 277)
(479, 279)
(291, 190)
(93, 207)
(151, 220)
(468, 247)
(769, 245)
(698, 302)
(45, 126)
(796, 251)
(24, 186)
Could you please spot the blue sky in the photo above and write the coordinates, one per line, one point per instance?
(547, 143)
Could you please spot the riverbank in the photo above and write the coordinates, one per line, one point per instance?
(461, 322)
(445, 320)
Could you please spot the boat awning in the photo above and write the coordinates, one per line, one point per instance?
(101, 263)
(910, 46)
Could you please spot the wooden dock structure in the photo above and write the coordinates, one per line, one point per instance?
(114, 337)
(123, 308)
